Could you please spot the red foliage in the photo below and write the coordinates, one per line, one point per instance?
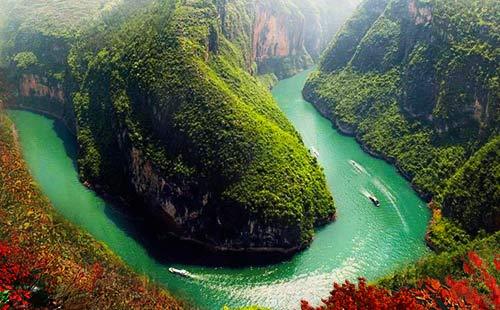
(475, 259)
(363, 296)
(431, 293)
(97, 274)
(17, 274)
(497, 263)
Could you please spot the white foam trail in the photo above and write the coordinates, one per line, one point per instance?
(385, 190)
(358, 167)
(284, 294)
(365, 193)
(387, 193)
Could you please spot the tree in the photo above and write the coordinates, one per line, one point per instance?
(478, 290)
(25, 60)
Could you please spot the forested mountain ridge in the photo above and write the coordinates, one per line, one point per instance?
(162, 100)
(201, 140)
(417, 82)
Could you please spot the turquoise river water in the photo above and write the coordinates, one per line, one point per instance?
(364, 241)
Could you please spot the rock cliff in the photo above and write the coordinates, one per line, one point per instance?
(172, 110)
(288, 36)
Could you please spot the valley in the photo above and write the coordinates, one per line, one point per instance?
(218, 154)
(364, 240)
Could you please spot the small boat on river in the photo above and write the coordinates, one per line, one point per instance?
(180, 272)
(375, 201)
(315, 152)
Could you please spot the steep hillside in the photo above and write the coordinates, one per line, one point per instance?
(167, 113)
(46, 262)
(417, 83)
(35, 39)
(282, 37)
(277, 38)
(471, 196)
(166, 101)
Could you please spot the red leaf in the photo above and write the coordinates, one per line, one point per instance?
(475, 259)
(468, 269)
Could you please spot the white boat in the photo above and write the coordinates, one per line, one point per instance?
(180, 272)
(315, 152)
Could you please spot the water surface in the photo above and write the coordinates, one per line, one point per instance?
(364, 241)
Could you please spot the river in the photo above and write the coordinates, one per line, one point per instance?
(364, 241)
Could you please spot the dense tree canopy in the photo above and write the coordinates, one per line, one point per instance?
(417, 82)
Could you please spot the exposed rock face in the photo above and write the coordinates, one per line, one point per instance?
(42, 95)
(31, 85)
(183, 129)
(289, 35)
(189, 209)
(420, 14)
(198, 141)
(276, 34)
(278, 40)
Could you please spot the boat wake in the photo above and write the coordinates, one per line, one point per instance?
(365, 193)
(184, 273)
(393, 200)
(314, 152)
(385, 191)
(358, 168)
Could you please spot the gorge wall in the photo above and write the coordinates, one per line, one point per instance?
(416, 82)
(277, 37)
(39, 94)
(168, 113)
(282, 37)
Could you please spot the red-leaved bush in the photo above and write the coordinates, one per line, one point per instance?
(18, 273)
(363, 296)
(430, 294)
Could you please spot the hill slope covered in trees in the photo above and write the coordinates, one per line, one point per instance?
(162, 100)
(417, 82)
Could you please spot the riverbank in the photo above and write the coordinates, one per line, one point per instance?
(433, 236)
(350, 131)
(77, 261)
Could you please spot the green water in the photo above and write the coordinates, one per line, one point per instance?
(364, 241)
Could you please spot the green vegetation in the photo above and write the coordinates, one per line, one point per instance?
(25, 60)
(268, 80)
(175, 85)
(444, 234)
(166, 84)
(449, 263)
(419, 85)
(350, 35)
(472, 195)
(382, 92)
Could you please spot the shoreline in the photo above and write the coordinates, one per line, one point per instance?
(62, 238)
(351, 132)
(213, 254)
(59, 118)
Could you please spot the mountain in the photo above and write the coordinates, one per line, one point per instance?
(167, 113)
(417, 83)
(288, 36)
